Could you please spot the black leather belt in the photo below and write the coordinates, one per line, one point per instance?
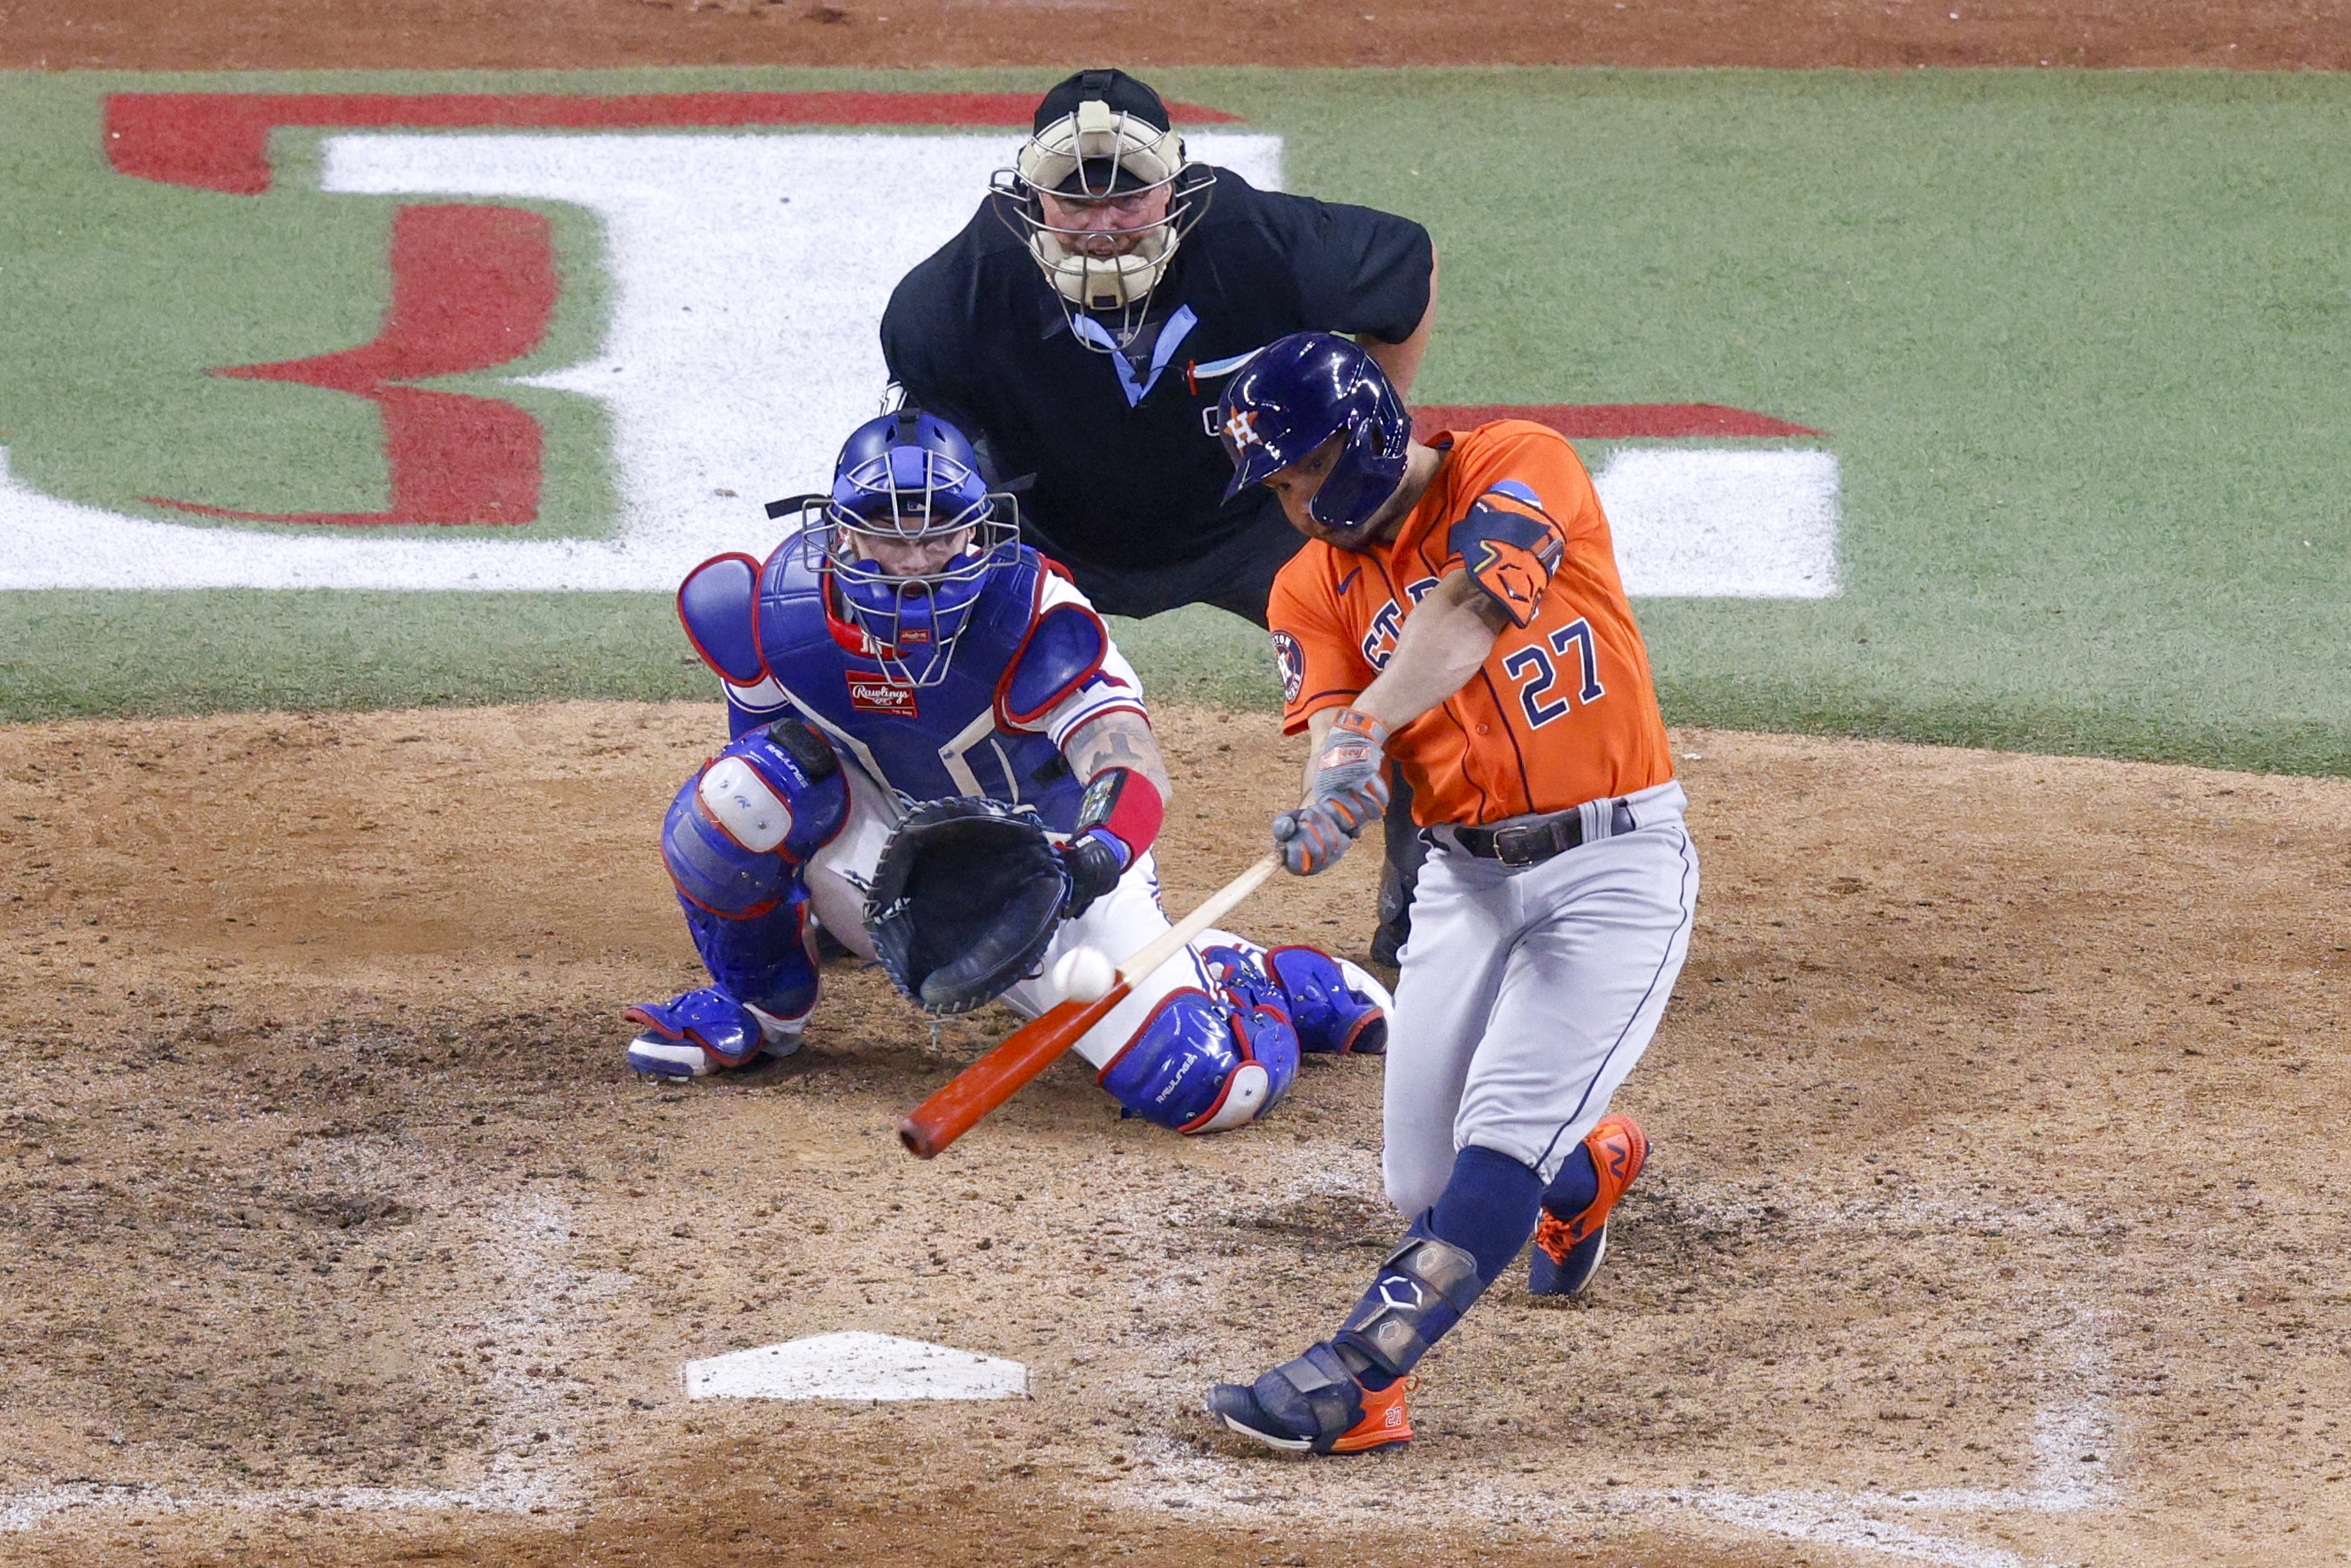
(1531, 843)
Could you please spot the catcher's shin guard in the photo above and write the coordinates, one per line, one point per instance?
(1316, 1405)
(1201, 1065)
(1572, 1236)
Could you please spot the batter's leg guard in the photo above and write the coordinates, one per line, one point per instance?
(1199, 1064)
(1422, 1290)
(1315, 1405)
(1572, 1236)
(1336, 1006)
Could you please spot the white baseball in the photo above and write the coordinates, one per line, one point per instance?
(1084, 973)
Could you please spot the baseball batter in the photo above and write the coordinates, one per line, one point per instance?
(1458, 610)
(940, 754)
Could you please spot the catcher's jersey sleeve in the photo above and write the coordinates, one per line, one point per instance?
(1564, 709)
(1113, 688)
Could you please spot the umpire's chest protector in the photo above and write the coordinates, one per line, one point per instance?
(1013, 662)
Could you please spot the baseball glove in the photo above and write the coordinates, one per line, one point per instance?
(965, 900)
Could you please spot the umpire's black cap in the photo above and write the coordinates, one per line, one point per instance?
(1121, 91)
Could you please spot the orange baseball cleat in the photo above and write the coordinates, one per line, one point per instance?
(1316, 1405)
(1567, 1253)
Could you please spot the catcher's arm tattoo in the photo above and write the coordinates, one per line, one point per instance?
(1118, 740)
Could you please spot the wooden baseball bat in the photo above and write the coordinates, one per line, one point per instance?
(1028, 1050)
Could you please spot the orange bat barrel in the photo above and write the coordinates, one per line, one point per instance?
(994, 1078)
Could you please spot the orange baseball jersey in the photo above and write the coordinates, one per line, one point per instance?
(1563, 710)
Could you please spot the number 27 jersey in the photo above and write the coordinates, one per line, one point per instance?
(1563, 710)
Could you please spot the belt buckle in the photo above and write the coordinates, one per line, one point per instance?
(1525, 844)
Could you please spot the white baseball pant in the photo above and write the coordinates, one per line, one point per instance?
(1527, 994)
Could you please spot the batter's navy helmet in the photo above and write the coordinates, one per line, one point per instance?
(1296, 393)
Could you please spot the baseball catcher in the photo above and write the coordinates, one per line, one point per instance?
(940, 758)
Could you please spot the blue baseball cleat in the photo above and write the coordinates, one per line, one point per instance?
(697, 1034)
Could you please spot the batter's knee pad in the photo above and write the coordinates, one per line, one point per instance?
(1200, 1065)
(740, 830)
(1334, 1011)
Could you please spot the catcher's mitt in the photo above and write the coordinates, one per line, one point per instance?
(965, 900)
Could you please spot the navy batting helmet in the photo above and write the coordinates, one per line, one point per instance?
(1296, 393)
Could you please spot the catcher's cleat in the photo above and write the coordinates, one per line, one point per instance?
(700, 1032)
(1567, 1253)
(1315, 1405)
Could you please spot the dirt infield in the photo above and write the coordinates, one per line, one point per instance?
(1870, 34)
(1994, 1216)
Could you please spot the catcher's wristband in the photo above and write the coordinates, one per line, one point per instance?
(1122, 805)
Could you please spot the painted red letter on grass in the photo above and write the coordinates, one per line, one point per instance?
(471, 288)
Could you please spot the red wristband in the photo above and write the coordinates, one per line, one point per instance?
(1125, 804)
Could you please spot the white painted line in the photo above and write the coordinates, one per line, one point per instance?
(855, 1366)
(748, 275)
(1723, 524)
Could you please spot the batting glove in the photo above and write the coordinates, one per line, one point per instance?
(1311, 840)
(1350, 778)
(1094, 863)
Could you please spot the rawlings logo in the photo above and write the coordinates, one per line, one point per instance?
(871, 693)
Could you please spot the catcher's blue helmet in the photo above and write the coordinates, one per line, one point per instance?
(1296, 393)
(909, 535)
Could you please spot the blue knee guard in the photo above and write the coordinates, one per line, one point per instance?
(1329, 1015)
(1200, 1065)
(739, 831)
(735, 840)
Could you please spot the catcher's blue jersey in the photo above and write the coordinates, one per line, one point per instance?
(1033, 664)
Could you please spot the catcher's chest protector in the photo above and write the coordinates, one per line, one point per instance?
(927, 743)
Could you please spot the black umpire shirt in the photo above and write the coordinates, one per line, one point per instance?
(1129, 473)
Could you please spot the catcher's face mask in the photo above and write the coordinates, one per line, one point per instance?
(907, 539)
(1103, 199)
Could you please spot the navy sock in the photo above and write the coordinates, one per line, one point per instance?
(1487, 1209)
(1578, 1182)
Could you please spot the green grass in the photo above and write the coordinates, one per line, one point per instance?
(2081, 343)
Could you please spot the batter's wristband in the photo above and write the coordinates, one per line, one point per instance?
(1125, 804)
(1355, 721)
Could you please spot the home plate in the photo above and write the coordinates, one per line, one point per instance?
(855, 1367)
